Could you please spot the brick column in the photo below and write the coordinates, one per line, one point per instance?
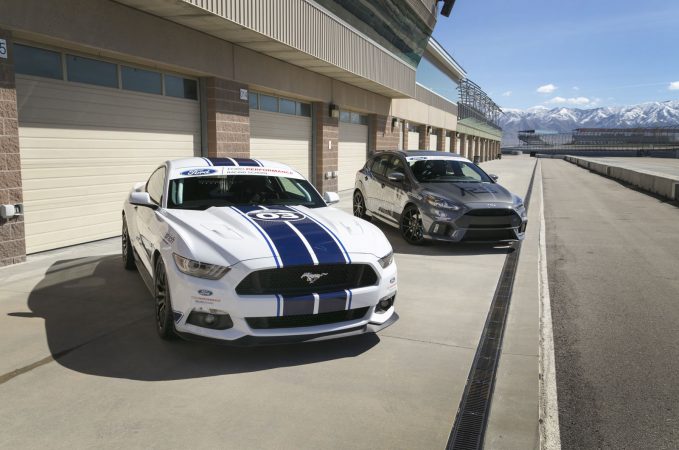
(462, 145)
(383, 134)
(228, 119)
(12, 234)
(424, 137)
(404, 143)
(327, 138)
(441, 140)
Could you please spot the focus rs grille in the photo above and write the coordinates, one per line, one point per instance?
(291, 280)
(308, 320)
(490, 212)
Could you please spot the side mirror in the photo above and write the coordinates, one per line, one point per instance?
(396, 177)
(142, 199)
(493, 177)
(331, 198)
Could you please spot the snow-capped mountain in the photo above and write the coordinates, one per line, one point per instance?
(652, 114)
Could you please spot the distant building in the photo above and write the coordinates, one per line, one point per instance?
(598, 139)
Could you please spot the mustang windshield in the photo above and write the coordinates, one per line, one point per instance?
(230, 190)
(446, 171)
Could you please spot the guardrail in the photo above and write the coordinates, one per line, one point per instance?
(655, 183)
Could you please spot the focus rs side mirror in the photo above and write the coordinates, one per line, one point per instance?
(142, 199)
(493, 177)
(396, 177)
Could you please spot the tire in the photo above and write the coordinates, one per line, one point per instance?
(126, 250)
(411, 226)
(359, 208)
(163, 304)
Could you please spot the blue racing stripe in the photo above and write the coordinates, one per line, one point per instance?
(222, 162)
(332, 301)
(324, 246)
(328, 250)
(350, 297)
(209, 163)
(290, 247)
(278, 305)
(247, 162)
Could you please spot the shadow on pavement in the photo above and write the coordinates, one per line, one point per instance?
(99, 321)
(434, 248)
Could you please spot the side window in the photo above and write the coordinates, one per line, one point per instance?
(380, 165)
(155, 185)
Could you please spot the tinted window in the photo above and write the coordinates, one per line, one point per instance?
(380, 165)
(181, 87)
(141, 80)
(304, 109)
(345, 116)
(268, 103)
(155, 185)
(286, 106)
(207, 191)
(38, 62)
(446, 171)
(91, 71)
(395, 165)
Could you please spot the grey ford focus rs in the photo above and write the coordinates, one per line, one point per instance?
(438, 196)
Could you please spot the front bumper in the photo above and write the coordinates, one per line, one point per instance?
(475, 223)
(190, 294)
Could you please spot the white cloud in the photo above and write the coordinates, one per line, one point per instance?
(546, 89)
(575, 88)
(507, 94)
(674, 86)
(579, 101)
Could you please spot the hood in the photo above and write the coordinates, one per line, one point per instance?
(470, 192)
(289, 235)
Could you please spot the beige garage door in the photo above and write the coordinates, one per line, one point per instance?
(413, 140)
(353, 150)
(83, 148)
(433, 141)
(281, 137)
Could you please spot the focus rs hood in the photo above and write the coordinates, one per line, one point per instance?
(288, 235)
(470, 192)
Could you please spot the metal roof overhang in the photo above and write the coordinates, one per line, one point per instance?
(302, 34)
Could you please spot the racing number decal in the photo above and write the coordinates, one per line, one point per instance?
(275, 215)
(3, 48)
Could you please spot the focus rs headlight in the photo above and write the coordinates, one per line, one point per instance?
(199, 269)
(441, 203)
(386, 260)
(518, 202)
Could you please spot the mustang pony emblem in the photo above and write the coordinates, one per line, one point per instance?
(311, 278)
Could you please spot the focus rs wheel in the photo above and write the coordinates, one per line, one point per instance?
(161, 295)
(411, 227)
(359, 206)
(126, 250)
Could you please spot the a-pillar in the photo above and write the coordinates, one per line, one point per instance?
(327, 139)
(12, 235)
(441, 140)
(424, 137)
(228, 119)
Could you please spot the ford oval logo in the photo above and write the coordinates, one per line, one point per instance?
(205, 292)
(195, 172)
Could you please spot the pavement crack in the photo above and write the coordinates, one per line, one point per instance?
(426, 342)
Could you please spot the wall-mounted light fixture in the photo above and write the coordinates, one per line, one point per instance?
(429, 130)
(395, 123)
(334, 111)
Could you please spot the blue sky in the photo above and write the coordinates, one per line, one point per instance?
(577, 53)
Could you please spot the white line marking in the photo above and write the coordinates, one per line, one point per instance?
(316, 303)
(550, 437)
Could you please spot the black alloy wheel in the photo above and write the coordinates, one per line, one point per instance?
(161, 294)
(126, 250)
(359, 206)
(411, 227)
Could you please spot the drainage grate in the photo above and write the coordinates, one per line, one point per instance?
(472, 415)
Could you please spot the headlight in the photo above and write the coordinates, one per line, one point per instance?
(387, 260)
(441, 203)
(518, 202)
(199, 269)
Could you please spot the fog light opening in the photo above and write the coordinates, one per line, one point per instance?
(210, 320)
(384, 304)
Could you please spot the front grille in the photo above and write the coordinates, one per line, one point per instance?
(307, 320)
(290, 281)
(489, 235)
(491, 212)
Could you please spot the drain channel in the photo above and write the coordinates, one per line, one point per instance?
(472, 415)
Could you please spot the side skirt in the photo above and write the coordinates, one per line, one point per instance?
(145, 275)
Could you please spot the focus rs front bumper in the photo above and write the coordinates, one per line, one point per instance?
(272, 318)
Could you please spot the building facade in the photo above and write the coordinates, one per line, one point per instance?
(94, 94)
